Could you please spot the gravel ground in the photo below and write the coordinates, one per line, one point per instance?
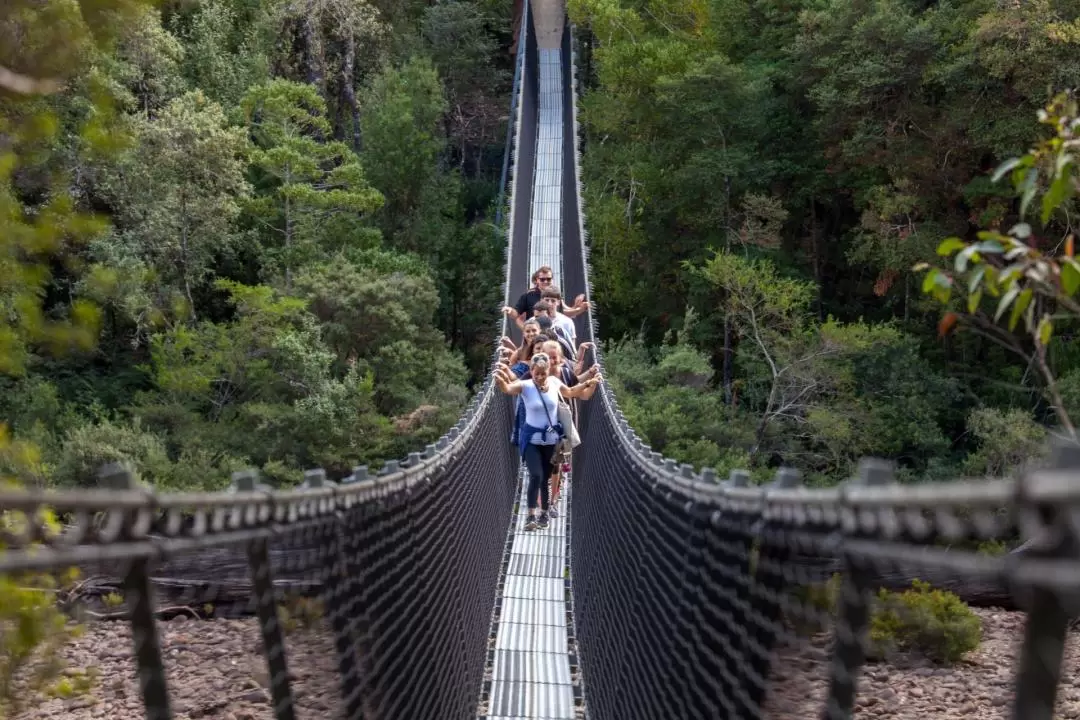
(979, 687)
(216, 670)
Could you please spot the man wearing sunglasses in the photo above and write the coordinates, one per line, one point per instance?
(526, 304)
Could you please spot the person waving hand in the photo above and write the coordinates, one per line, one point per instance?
(541, 432)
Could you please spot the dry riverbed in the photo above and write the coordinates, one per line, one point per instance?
(216, 670)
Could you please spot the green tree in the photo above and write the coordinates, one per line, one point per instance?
(463, 50)
(384, 324)
(226, 47)
(402, 113)
(179, 192)
(313, 179)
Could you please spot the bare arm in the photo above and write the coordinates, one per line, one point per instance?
(514, 315)
(583, 390)
(504, 380)
(579, 366)
(573, 312)
(580, 305)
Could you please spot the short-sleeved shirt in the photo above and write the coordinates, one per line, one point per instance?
(527, 302)
(542, 410)
(565, 324)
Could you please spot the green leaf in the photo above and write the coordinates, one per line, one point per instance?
(1021, 230)
(1062, 161)
(976, 278)
(1046, 330)
(1070, 277)
(973, 301)
(1017, 252)
(930, 279)
(1021, 304)
(1004, 168)
(1011, 274)
(962, 258)
(950, 245)
(990, 247)
(1005, 301)
(1055, 195)
(1028, 187)
(992, 235)
(942, 287)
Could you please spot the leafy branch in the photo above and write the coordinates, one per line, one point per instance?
(1005, 275)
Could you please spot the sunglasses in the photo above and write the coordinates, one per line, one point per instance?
(543, 279)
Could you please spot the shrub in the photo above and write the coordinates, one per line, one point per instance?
(935, 623)
(818, 601)
(994, 548)
(89, 447)
(296, 612)
(33, 630)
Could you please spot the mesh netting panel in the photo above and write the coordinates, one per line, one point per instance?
(367, 599)
(687, 590)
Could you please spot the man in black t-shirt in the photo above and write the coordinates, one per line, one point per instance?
(523, 309)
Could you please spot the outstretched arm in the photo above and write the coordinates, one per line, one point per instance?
(517, 317)
(505, 381)
(583, 390)
(580, 305)
(579, 366)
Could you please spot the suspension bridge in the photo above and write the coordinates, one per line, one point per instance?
(657, 593)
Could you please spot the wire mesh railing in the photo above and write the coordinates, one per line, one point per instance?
(395, 574)
(693, 594)
(686, 587)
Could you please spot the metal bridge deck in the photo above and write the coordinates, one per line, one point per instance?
(545, 232)
(530, 673)
(530, 670)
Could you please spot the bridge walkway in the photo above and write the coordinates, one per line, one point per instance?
(530, 667)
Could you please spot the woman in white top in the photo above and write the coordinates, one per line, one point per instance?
(541, 431)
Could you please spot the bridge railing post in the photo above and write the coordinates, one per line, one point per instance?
(1051, 530)
(338, 595)
(140, 598)
(725, 553)
(262, 585)
(853, 609)
(769, 584)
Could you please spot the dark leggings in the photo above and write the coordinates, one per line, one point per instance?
(538, 461)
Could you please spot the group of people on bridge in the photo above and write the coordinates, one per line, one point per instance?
(547, 373)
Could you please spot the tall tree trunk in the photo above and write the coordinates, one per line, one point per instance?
(184, 263)
(763, 424)
(288, 236)
(348, 88)
(311, 54)
(729, 371)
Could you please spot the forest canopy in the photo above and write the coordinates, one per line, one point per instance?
(244, 233)
(258, 233)
(782, 168)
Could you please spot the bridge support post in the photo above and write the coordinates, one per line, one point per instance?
(1052, 535)
(724, 556)
(339, 596)
(853, 612)
(140, 598)
(262, 584)
(768, 583)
